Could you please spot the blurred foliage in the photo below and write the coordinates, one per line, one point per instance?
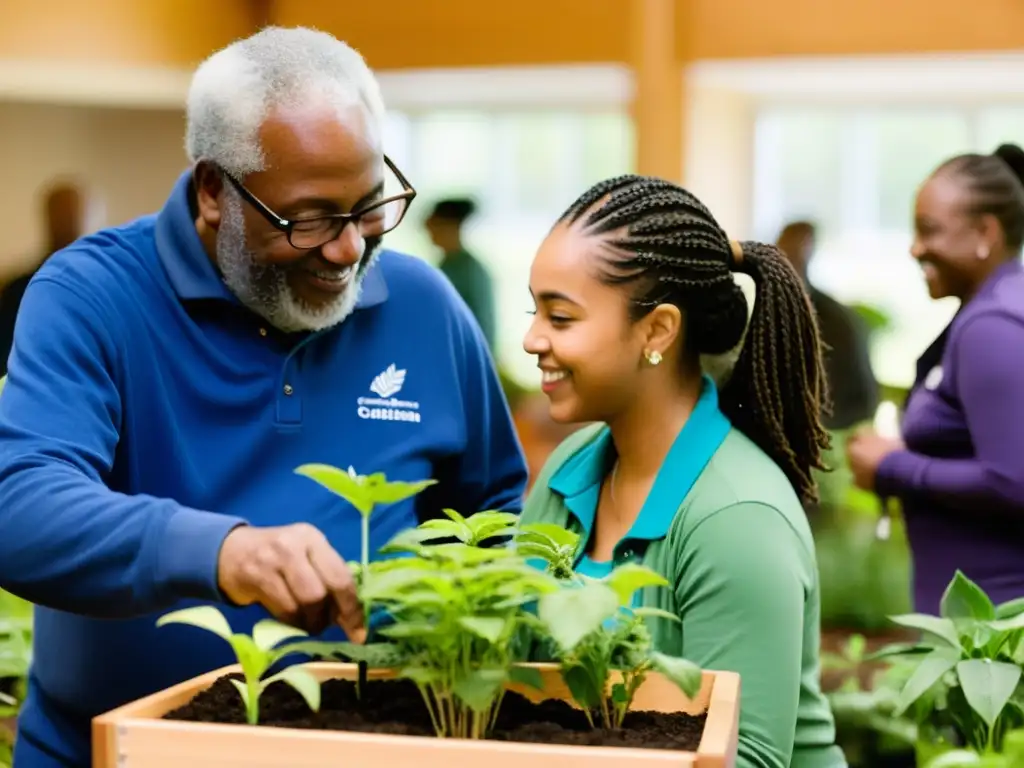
(15, 658)
(864, 579)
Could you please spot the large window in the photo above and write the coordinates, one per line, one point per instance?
(854, 170)
(523, 167)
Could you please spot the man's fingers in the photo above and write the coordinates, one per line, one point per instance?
(342, 589)
(278, 599)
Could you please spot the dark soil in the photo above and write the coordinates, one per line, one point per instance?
(396, 707)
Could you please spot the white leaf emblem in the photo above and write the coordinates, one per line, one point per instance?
(388, 383)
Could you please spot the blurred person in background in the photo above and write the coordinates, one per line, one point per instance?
(959, 469)
(66, 208)
(852, 387)
(169, 375)
(703, 485)
(466, 272)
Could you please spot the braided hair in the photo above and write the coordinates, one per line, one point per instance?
(994, 183)
(665, 245)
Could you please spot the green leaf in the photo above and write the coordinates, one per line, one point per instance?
(203, 616)
(956, 758)
(243, 691)
(393, 492)
(988, 685)
(649, 612)
(556, 535)
(927, 673)
(585, 690)
(573, 613)
(421, 675)
(963, 599)
(1010, 608)
(269, 633)
(374, 655)
(489, 628)
(941, 629)
(302, 680)
(1009, 624)
(899, 650)
(629, 577)
(406, 629)
(685, 674)
(528, 676)
(479, 689)
(619, 694)
(344, 484)
(254, 661)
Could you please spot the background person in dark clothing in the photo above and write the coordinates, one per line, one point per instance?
(465, 271)
(64, 213)
(852, 384)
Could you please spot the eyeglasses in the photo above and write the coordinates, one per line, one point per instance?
(374, 220)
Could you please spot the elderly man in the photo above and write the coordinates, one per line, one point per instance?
(169, 375)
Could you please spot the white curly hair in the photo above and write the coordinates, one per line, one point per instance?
(234, 90)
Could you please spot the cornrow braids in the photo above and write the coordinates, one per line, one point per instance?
(665, 245)
(995, 186)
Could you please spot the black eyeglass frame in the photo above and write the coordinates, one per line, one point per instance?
(339, 220)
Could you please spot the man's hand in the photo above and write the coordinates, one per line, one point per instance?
(294, 573)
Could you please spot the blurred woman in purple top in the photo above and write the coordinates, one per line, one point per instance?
(960, 473)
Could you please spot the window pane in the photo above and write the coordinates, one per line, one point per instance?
(1000, 125)
(911, 144)
(801, 152)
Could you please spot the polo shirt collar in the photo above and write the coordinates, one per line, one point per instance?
(579, 479)
(189, 268)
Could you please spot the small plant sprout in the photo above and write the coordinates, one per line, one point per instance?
(473, 530)
(365, 493)
(596, 632)
(256, 654)
(553, 544)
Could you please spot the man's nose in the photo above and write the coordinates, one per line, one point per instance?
(347, 248)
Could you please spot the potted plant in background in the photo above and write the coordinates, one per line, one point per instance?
(964, 690)
(448, 685)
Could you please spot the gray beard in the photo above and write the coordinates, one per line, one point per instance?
(264, 289)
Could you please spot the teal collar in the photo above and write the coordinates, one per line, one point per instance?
(578, 480)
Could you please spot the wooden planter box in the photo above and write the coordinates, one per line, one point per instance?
(135, 736)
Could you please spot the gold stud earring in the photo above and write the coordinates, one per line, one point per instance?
(983, 252)
(653, 357)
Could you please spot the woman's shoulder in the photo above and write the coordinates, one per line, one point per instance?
(742, 478)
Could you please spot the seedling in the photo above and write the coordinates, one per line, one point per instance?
(553, 544)
(457, 610)
(256, 654)
(365, 493)
(596, 632)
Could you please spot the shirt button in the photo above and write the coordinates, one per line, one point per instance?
(263, 331)
(288, 389)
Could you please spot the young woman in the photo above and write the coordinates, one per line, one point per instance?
(633, 284)
(960, 476)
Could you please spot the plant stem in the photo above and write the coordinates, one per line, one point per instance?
(252, 709)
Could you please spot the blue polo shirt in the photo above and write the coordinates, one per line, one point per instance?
(147, 412)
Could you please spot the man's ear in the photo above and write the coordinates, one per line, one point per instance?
(208, 180)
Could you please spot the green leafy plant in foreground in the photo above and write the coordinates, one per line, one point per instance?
(596, 632)
(457, 611)
(966, 681)
(256, 654)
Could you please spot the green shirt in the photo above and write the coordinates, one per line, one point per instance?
(473, 284)
(723, 524)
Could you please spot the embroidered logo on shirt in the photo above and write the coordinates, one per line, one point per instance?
(389, 382)
(384, 407)
(934, 378)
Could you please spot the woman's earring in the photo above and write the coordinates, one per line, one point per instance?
(983, 252)
(653, 357)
